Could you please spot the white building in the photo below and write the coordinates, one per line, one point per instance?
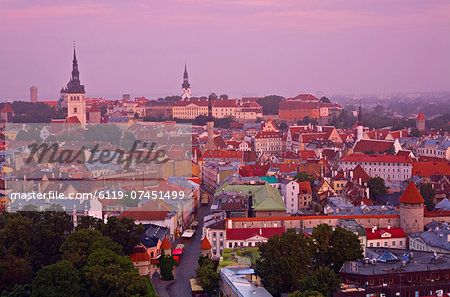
(393, 169)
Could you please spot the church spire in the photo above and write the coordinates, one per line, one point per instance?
(359, 114)
(185, 86)
(74, 85)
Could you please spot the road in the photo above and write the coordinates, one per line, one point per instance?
(180, 286)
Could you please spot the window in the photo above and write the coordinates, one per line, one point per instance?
(428, 278)
(230, 245)
(385, 243)
(391, 280)
(401, 242)
(378, 243)
(371, 282)
(393, 243)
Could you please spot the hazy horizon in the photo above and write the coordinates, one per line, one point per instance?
(240, 48)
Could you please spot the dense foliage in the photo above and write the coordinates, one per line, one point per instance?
(427, 192)
(377, 187)
(41, 255)
(293, 262)
(208, 276)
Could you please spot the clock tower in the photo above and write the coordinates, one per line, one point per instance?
(74, 94)
(185, 86)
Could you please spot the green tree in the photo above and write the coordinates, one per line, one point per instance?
(333, 247)
(123, 231)
(107, 133)
(111, 275)
(306, 294)
(325, 100)
(428, 193)
(377, 187)
(283, 259)
(303, 176)
(18, 291)
(270, 104)
(415, 132)
(128, 140)
(89, 222)
(16, 235)
(209, 278)
(82, 243)
(14, 271)
(323, 280)
(57, 280)
(166, 265)
(213, 96)
(223, 96)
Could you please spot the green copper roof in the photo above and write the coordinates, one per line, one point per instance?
(265, 197)
(269, 179)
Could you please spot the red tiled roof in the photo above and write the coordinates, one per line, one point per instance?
(72, 120)
(307, 154)
(399, 133)
(224, 155)
(376, 158)
(246, 233)
(205, 245)
(306, 97)
(6, 108)
(94, 108)
(140, 255)
(376, 146)
(198, 102)
(150, 211)
(51, 103)
(285, 167)
(420, 117)
(305, 187)
(293, 105)
(377, 234)
(411, 195)
(430, 168)
(360, 173)
(166, 245)
(224, 103)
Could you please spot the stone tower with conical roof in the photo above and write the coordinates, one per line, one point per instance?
(420, 122)
(411, 210)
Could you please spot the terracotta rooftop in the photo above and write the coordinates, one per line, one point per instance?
(6, 108)
(420, 117)
(411, 195)
(205, 245)
(166, 245)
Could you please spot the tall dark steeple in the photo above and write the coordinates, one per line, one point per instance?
(185, 86)
(74, 86)
(210, 115)
(359, 128)
(186, 83)
(359, 114)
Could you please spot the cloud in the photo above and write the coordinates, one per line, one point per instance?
(55, 11)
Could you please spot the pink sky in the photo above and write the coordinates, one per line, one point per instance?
(248, 47)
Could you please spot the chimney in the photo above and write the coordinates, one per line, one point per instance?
(373, 229)
(230, 224)
(260, 231)
(389, 227)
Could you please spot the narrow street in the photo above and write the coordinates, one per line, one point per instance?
(180, 286)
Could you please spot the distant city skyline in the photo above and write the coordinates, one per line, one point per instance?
(239, 48)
